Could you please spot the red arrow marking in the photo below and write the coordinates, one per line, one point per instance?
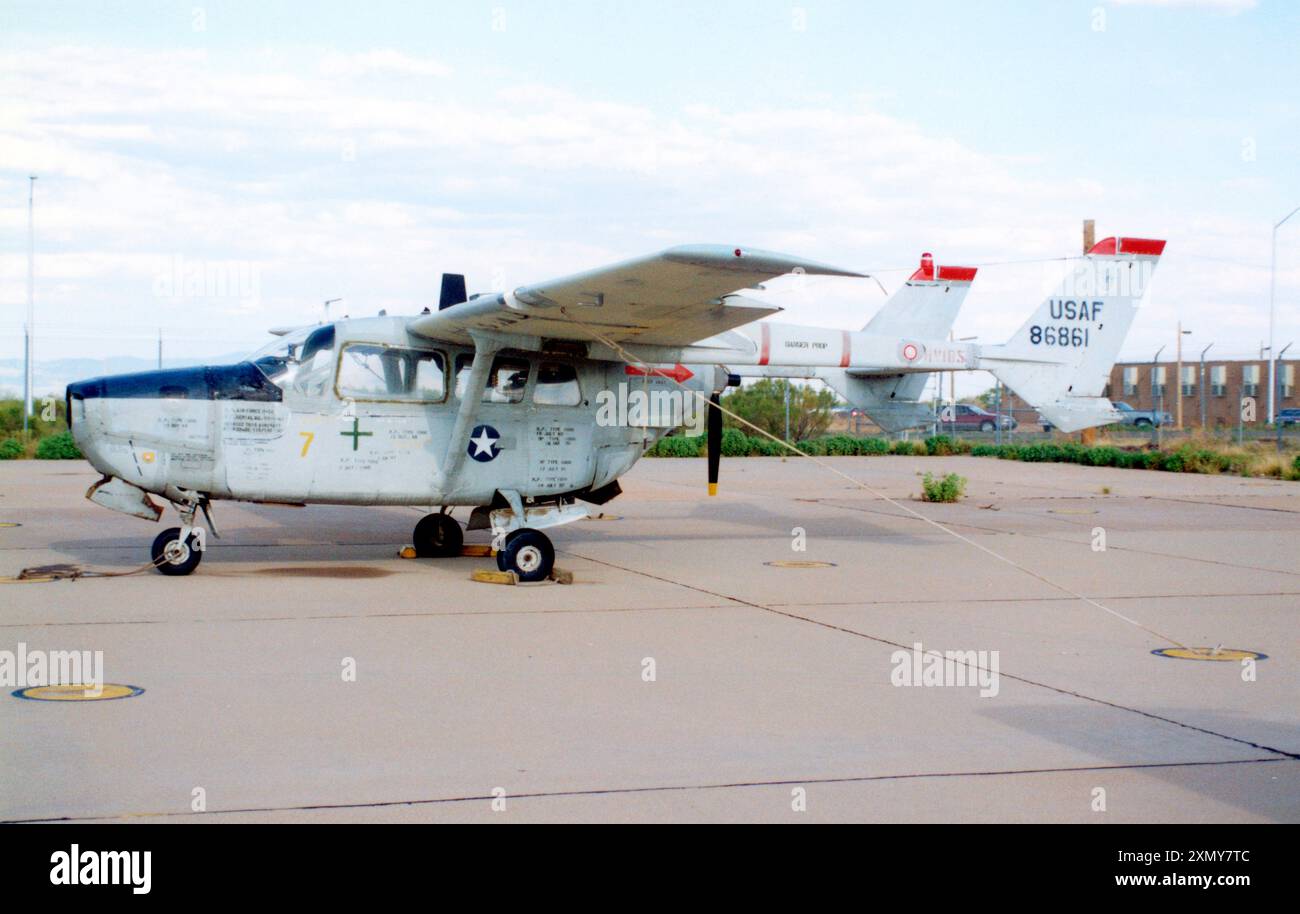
(679, 373)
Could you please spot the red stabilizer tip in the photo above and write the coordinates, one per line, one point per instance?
(1143, 247)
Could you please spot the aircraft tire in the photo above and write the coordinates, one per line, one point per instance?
(529, 554)
(173, 558)
(437, 536)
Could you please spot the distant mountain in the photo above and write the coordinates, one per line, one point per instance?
(53, 376)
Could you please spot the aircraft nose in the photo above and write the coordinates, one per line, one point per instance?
(74, 402)
(81, 390)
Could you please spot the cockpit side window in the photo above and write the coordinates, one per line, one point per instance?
(321, 340)
(300, 360)
(557, 385)
(506, 382)
(374, 371)
(316, 364)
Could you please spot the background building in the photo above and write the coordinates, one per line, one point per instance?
(1217, 394)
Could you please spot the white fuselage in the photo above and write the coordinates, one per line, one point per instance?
(320, 442)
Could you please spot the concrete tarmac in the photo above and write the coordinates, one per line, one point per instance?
(773, 694)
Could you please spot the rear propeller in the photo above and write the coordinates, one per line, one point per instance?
(714, 431)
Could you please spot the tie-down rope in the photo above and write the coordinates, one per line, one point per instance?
(638, 363)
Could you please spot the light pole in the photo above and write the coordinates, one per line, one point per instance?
(28, 347)
(1178, 420)
(787, 409)
(952, 384)
(1277, 426)
(328, 302)
(1272, 316)
(1203, 380)
(1155, 409)
(997, 409)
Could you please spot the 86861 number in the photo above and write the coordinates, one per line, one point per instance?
(1058, 336)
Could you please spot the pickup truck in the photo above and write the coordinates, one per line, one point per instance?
(1139, 418)
(1142, 418)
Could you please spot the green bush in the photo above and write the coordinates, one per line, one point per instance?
(1104, 456)
(949, 488)
(944, 446)
(677, 446)
(1203, 460)
(940, 446)
(1036, 453)
(847, 446)
(58, 447)
(11, 449)
(736, 443)
(1185, 459)
(841, 446)
(766, 447)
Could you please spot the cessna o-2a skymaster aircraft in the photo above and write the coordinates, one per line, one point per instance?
(489, 402)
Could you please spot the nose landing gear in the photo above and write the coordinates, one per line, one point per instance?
(177, 551)
(175, 554)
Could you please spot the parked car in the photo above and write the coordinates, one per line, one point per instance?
(969, 416)
(1288, 417)
(1141, 418)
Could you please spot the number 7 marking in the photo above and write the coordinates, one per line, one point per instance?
(308, 438)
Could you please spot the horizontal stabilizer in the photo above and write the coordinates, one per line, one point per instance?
(891, 401)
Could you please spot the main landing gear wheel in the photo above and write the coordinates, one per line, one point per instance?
(437, 536)
(173, 557)
(529, 554)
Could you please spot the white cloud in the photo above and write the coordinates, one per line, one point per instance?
(381, 61)
(368, 188)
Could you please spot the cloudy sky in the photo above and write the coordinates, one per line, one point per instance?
(297, 152)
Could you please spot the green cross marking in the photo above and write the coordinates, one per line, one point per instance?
(356, 434)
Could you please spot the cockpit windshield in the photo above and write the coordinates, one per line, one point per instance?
(297, 358)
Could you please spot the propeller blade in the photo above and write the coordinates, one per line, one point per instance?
(714, 441)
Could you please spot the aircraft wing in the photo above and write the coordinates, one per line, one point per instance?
(674, 298)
